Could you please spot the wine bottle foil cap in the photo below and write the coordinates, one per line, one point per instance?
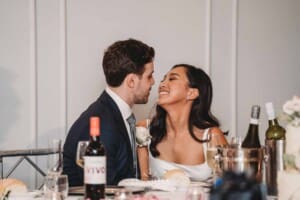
(255, 111)
(270, 110)
(94, 126)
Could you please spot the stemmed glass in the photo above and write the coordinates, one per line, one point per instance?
(54, 160)
(55, 184)
(81, 147)
(56, 187)
(212, 154)
(235, 142)
(194, 192)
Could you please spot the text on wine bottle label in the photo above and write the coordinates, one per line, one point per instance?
(94, 169)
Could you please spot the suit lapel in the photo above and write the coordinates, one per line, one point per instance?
(117, 116)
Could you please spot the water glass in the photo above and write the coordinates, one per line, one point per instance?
(236, 142)
(123, 194)
(54, 159)
(56, 187)
(212, 153)
(195, 192)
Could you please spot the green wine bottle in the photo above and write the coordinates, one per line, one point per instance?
(274, 131)
(275, 147)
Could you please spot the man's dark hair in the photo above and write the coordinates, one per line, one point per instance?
(125, 57)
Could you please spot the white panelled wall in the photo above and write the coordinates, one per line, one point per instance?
(51, 53)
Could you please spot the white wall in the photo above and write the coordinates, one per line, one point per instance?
(51, 53)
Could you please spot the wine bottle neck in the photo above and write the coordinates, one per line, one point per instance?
(252, 138)
(253, 128)
(94, 138)
(273, 122)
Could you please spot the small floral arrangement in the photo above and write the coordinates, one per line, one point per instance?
(291, 114)
(291, 111)
(292, 162)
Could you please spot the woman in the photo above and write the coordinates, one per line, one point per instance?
(181, 125)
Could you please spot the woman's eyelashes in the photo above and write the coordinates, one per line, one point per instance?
(164, 78)
(169, 78)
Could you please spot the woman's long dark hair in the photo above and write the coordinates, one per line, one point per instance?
(200, 115)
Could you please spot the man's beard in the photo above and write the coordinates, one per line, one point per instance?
(142, 100)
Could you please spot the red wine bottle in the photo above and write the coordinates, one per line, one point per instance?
(252, 138)
(94, 164)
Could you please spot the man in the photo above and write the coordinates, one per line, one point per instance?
(128, 68)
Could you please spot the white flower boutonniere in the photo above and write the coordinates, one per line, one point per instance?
(143, 136)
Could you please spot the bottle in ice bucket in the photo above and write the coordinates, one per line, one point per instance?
(252, 138)
(94, 164)
(275, 145)
(251, 161)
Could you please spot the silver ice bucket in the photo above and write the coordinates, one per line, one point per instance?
(239, 160)
(274, 163)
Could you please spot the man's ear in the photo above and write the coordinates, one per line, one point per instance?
(130, 80)
(193, 93)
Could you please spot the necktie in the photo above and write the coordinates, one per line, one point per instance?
(131, 121)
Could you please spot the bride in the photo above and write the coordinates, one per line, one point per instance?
(180, 126)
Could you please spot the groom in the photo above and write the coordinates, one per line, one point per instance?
(128, 68)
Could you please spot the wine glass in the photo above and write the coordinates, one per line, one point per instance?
(194, 192)
(56, 187)
(54, 159)
(81, 147)
(235, 142)
(212, 155)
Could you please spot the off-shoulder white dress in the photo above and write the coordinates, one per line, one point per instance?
(159, 167)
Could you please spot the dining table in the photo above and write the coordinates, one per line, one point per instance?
(137, 190)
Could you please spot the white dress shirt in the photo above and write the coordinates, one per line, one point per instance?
(123, 107)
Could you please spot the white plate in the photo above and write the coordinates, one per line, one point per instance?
(109, 190)
(161, 184)
(163, 195)
(26, 195)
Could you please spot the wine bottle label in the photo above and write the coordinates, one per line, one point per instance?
(253, 121)
(94, 169)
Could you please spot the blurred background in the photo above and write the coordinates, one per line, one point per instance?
(51, 54)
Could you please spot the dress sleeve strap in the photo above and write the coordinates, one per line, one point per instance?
(205, 134)
(205, 137)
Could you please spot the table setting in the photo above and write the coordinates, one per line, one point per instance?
(175, 186)
(237, 173)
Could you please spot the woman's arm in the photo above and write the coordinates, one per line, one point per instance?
(142, 151)
(143, 157)
(221, 138)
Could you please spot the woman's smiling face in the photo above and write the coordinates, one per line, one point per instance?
(174, 87)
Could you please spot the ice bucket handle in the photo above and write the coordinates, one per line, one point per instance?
(266, 154)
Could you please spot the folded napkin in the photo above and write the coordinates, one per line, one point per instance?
(161, 184)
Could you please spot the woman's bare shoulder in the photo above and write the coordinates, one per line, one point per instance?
(218, 131)
(215, 130)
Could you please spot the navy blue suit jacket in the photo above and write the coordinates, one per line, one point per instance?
(114, 136)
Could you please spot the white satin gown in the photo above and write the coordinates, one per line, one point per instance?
(201, 172)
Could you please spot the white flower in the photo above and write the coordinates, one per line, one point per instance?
(288, 108)
(292, 106)
(292, 109)
(143, 136)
